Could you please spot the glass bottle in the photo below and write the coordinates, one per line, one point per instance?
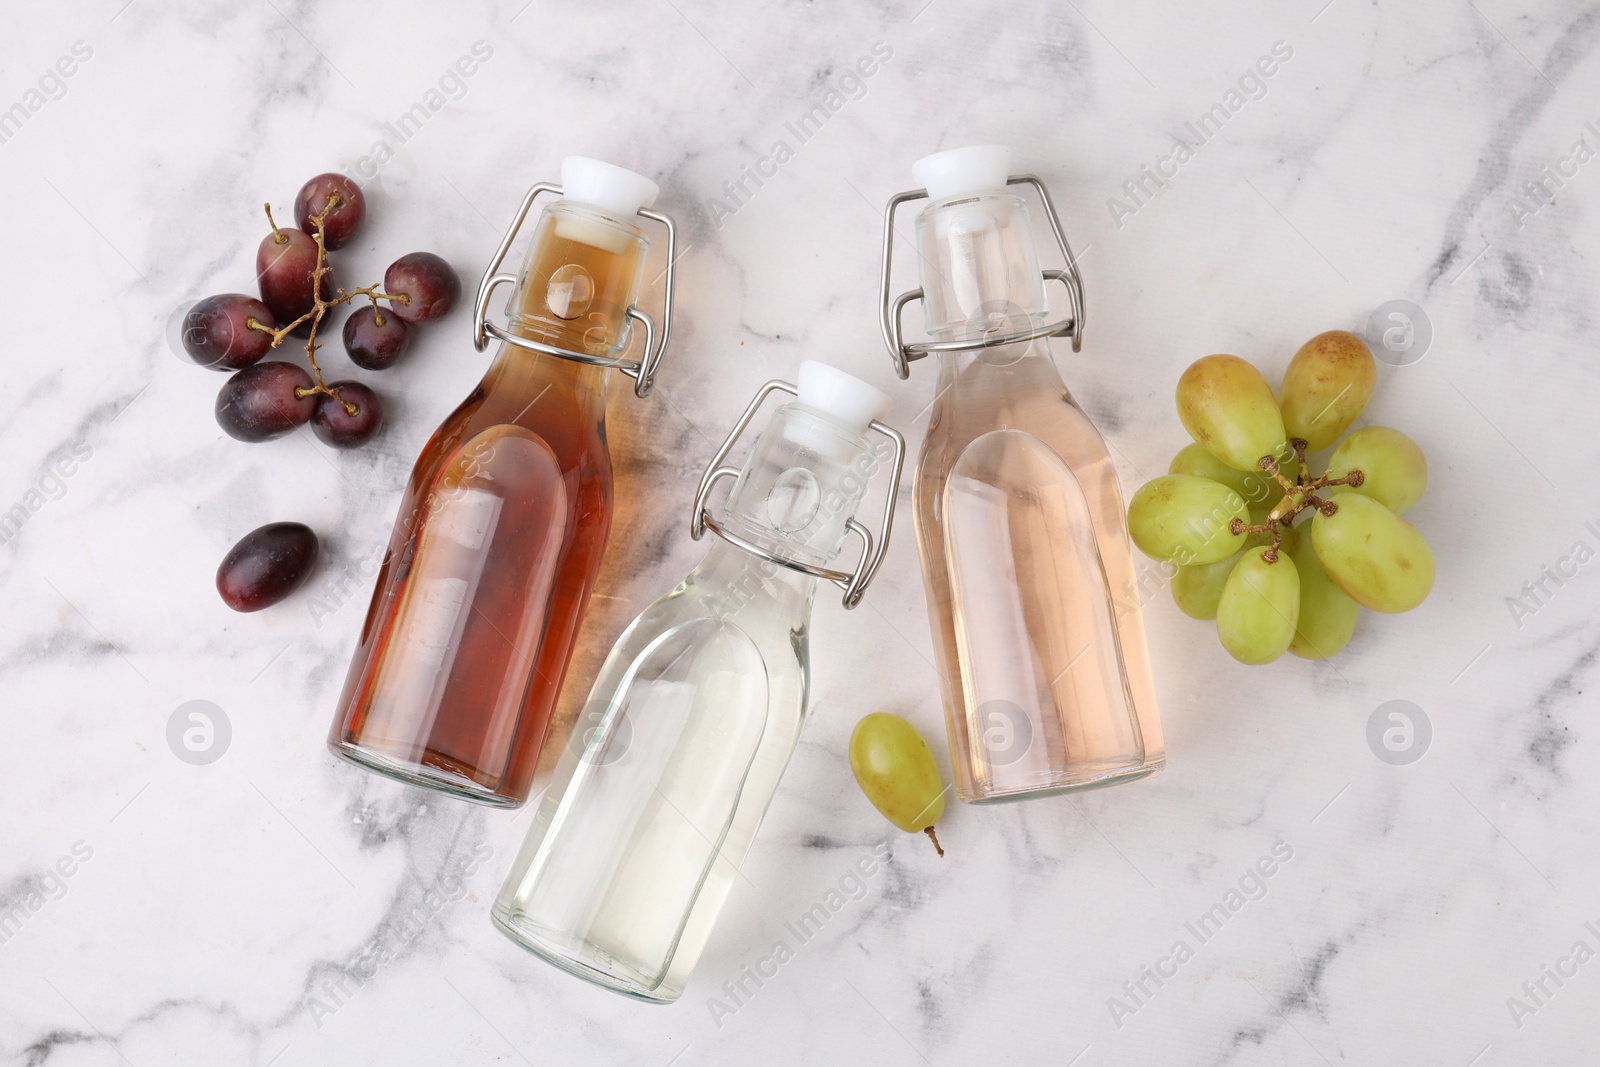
(1019, 517)
(504, 519)
(698, 708)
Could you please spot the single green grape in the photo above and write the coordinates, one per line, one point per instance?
(1375, 556)
(1394, 470)
(1259, 489)
(1260, 603)
(1179, 518)
(1227, 406)
(1197, 588)
(1327, 614)
(1325, 387)
(895, 769)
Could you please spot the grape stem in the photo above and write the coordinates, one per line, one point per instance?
(319, 306)
(278, 237)
(1300, 493)
(935, 839)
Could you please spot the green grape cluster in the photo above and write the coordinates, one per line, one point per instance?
(1224, 514)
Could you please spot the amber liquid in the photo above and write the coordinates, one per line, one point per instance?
(500, 533)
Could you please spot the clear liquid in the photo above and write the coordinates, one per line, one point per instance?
(651, 812)
(648, 820)
(1031, 587)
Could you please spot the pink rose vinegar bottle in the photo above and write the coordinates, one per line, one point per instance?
(1019, 517)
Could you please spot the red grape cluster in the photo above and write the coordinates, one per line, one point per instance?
(232, 331)
(268, 398)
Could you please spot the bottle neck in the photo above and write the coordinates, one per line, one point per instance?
(805, 478)
(1023, 365)
(584, 271)
(533, 380)
(979, 267)
(736, 580)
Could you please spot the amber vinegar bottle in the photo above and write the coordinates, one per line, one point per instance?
(505, 516)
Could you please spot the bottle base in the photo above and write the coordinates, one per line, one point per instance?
(1077, 781)
(436, 778)
(547, 948)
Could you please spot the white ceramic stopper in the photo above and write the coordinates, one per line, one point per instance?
(606, 186)
(842, 397)
(981, 168)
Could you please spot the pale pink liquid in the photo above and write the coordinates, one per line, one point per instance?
(1031, 588)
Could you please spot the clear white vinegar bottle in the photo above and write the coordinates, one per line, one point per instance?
(699, 706)
(1020, 520)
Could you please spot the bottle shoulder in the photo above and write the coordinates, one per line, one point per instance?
(744, 590)
(544, 405)
(704, 626)
(984, 400)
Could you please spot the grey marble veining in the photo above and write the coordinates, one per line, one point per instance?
(276, 906)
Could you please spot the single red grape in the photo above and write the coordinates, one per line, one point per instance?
(260, 402)
(429, 281)
(373, 346)
(341, 223)
(216, 333)
(267, 565)
(283, 270)
(334, 423)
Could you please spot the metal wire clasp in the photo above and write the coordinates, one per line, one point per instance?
(642, 370)
(890, 311)
(854, 583)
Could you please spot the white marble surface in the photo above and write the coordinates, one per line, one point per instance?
(222, 908)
